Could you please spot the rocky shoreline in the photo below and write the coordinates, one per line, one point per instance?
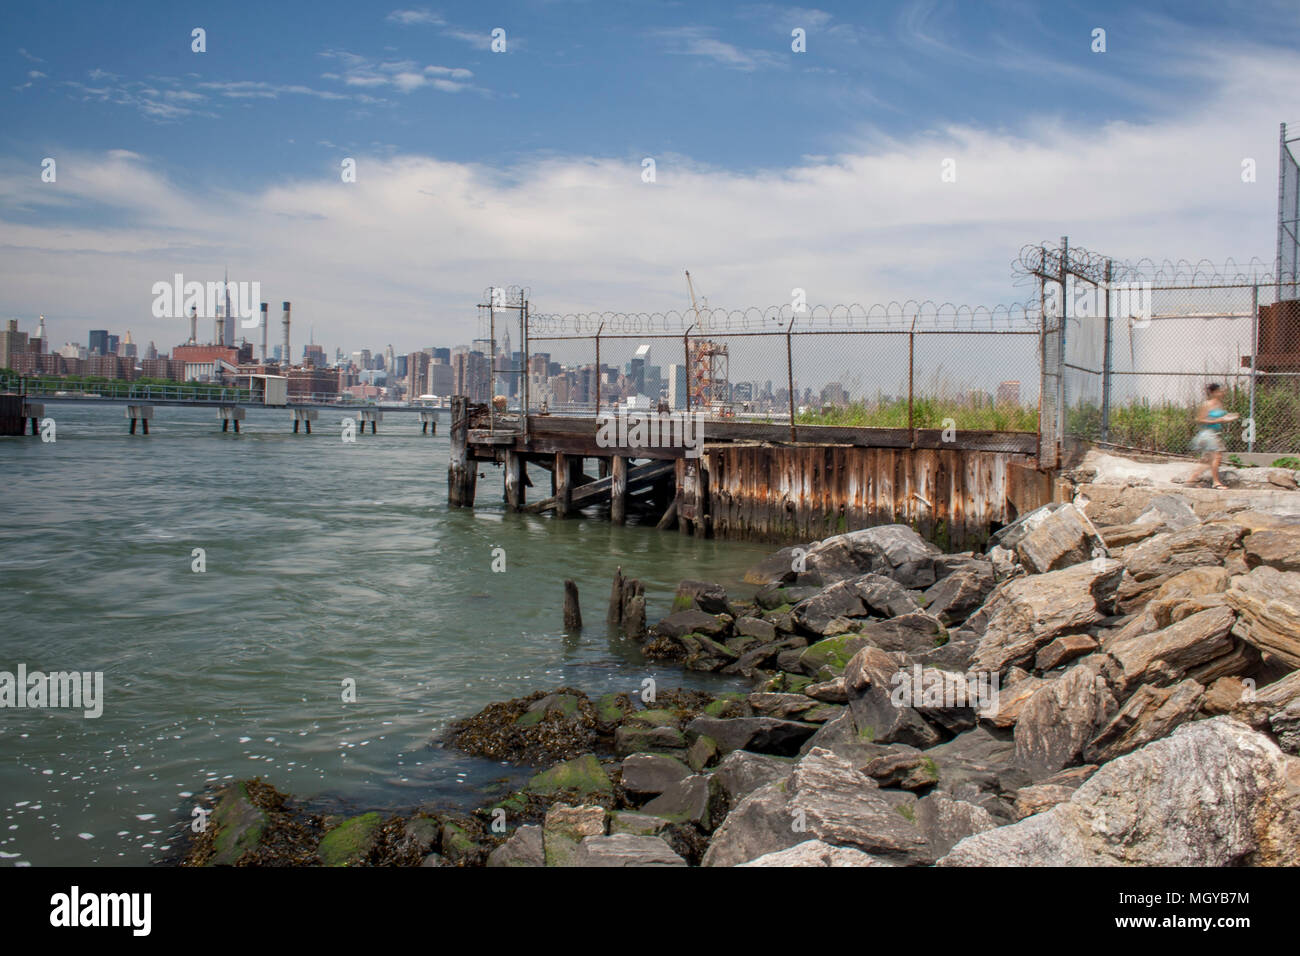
(1080, 693)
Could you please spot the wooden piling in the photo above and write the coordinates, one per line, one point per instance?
(614, 616)
(572, 611)
(563, 484)
(461, 477)
(618, 490)
(514, 480)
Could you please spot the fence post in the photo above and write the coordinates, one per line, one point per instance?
(523, 334)
(1254, 359)
(911, 395)
(598, 331)
(789, 375)
(1106, 365)
(1060, 365)
(686, 354)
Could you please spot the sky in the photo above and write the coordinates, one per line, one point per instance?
(821, 170)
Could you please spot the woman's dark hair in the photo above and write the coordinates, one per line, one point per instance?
(1212, 388)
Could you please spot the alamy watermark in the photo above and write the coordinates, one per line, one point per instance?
(205, 299)
(927, 687)
(73, 689)
(633, 429)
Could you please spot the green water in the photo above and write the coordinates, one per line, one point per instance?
(325, 561)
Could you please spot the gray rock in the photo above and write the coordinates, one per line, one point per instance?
(760, 734)
(914, 633)
(765, 631)
(956, 596)
(1063, 538)
(1156, 560)
(565, 828)
(624, 849)
(892, 550)
(842, 737)
(1060, 719)
(870, 679)
(707, 597)
(826, 798)
(1214, 793)
(1151, 713)
(1286, 726)
(945, 822)
(697, 799)
(1026, 613)
(740, 773)
(817, 853)
(523, 848)
(648, 773)
(694, 621)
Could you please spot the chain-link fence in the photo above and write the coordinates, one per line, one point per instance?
(904, 365)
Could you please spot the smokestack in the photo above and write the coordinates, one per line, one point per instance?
(194, 329)
(286, 356)
(264, 317)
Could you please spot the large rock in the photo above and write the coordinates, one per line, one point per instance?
(1214, 793)
(694, 621)
(1278, 549)
(624, 849)
(1268, 604)
(817, 853)
(523, 848)
(1151, 713)
(945, 822)
(740, 773)
(565, 828)
(956, 596)
(977, 766)
(760, 734)
(697, 799)
(647, 773)
(1059, 720)
(1168, 655)
(825, 797)
(914, 633)
(1064, 538)
(1009, 537)
(895, 551)
(870, 680)
(1023, 614)
(1168, 513)
(1158, 559)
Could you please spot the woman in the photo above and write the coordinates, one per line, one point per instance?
(1209, 440)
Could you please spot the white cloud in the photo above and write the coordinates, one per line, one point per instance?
(407, 17)
(404, 253)
(701, 42)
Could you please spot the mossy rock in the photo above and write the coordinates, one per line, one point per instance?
(637, 824)
(787, 683)
(351, 841)
(612, 708)
(583, 777)
(702, 753)
(458, 846)
(564, 705)
(238, 826)
(655, 718)
(833, 653)
(907, 812)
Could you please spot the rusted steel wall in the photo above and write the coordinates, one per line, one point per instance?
(805, 493)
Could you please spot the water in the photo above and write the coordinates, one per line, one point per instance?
(325, 561)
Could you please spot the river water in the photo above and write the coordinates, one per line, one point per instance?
(325, 561)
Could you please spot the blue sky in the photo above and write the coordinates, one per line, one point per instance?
(774, 169)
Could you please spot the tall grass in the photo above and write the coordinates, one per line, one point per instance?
(928, 413)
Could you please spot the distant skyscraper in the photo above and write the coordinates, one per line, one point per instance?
(98, 342)
(677, 387)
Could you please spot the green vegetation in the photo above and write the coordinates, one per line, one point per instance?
(927, 413)
(1169, 426)
(1290, 461)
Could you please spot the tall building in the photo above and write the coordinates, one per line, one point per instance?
(11, 343)
(677, 387)
(98, 344)
(1008, 393)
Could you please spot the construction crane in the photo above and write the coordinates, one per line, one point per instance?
(707, 370)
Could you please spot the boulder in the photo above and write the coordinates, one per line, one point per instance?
(760, 734)
(1013, 696)
(1158, 559)
(776, 568)
(780, 705)
(1060, 719)
(351, 841)
(1285, 725)
(1168, 655)
(1278, 549)
(238, 825)
(978, 766)
(843, 737)
(523, 848)
(828, 657)
(825, 797)
(694, 621)
(625, 849)
(756, 627)
(1023, 614)
(648, 773)
(883, 596)
(1151, 713)
(817, 853)
(903, 768)
(956, 596)
(564, 830)
(630, 739)
(1063, 538)
(830, 692)
(817, 613)
(1040, 798)
(870, 680)
(697, 799)
(637, 824)
(1064, 649)
(740, 773)
(1009, 537)
(1214, 793)
(1267, 602)
(892, 550)
(582, 778)
(914, 633)
(1168, 513)
(701, 595)
(945, 822)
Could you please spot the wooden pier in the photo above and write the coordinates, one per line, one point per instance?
(761, 482)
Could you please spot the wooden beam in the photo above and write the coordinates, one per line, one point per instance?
(618, 490)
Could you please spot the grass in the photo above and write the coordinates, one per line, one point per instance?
(928, 413)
